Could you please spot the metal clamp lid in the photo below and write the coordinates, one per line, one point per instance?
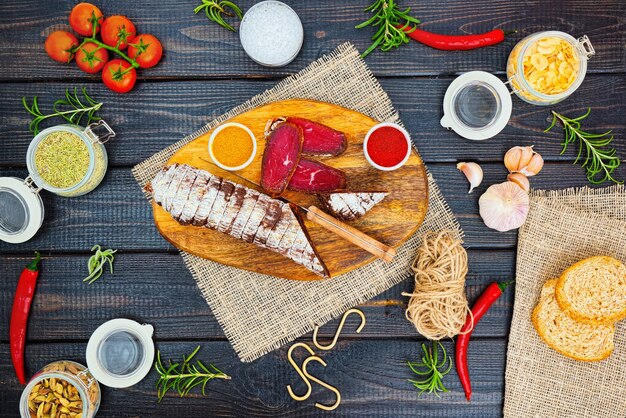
(584, 44)
(106, 133)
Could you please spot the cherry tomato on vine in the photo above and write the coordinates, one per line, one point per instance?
(146, 50)
(119, 76)
(60, 46)
(117, 29)
(91, 58)
(82, 18)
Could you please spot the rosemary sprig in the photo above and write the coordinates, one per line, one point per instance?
(391, 31)
(600, 162)
(184, 376)
(431, 369)
(97, 261)
(71, 108)
(214, 10)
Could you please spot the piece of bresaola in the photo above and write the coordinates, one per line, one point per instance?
(314, 177)
(282, 152)
(349, 205)
(317, 139)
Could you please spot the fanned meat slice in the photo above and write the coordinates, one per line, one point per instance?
(198, 189)
(319, 139)
(313, 177)
(272, 215)
(232, 210)
(247, 207)
(257, 215)
(273, 239)
(350, 205)
(243, 213)
(207, 202)
(281, 155)
(221, 201)
(161, 182)
(182, 194)
(168, 197)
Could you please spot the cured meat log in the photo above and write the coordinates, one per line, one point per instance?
(318, 139)
(281, 155)
(349, 205)
(194, 196)
(313, 177)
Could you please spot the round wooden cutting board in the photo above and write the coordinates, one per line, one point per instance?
(392, 221)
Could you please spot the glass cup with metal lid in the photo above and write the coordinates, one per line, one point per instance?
(67, 160)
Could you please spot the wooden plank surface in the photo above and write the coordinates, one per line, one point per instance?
(371, 376)
(197, 48)
(169, 111)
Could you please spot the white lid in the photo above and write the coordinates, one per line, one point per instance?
(492, 88)
(21, 210)
(271, 33)
(140, 333)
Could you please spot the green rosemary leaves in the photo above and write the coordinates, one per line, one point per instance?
(431, 369)
(599, 161)
(97, 261)
(182, 377)
(214, 9)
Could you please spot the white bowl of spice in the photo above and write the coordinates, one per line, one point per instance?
(232, 146)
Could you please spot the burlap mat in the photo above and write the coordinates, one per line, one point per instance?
(564, 227)
(260, 313)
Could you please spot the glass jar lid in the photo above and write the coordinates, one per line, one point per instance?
(120, 352)
(477, 105)
(21, 210)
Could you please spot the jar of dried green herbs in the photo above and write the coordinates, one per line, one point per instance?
(69, 160)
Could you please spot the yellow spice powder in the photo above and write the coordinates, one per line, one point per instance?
(232, 146)
(62, 159)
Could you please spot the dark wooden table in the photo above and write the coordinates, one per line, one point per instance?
(205, 73)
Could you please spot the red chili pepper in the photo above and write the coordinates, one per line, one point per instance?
(482, 305)
(19, 316)
(457, 42)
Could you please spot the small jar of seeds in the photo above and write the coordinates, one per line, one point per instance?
(62, 389)
(69, 160)
(547, 67)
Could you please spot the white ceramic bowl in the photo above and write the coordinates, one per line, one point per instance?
(212, 139)
(406, 137)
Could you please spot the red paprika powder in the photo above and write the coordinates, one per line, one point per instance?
(387, 146)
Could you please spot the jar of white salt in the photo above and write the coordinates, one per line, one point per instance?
(271, 33)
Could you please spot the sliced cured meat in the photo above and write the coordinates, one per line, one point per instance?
(272, 215)
(161, 182)
(206, 204)
(240, 212)
(257, 215)
(313, 177)
(249, 202)
(349, 205)
(221, 201)
(182, 194)
(281, 155)
(198, 189)
(318, 139)
(169, 194)
(232, 210)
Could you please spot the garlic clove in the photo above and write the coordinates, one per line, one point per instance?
(534, 166)
(517, 158)
(504, 206)
(473, 172)
(521, 180)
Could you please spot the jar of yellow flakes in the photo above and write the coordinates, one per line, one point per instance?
(547, 67)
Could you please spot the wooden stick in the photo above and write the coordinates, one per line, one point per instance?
(351, 234)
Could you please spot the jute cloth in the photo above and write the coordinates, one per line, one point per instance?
(259, 313)
(562, 228)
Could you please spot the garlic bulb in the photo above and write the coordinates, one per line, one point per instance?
(523, 160)
(521, 180)
(473, 172)
(504, 206)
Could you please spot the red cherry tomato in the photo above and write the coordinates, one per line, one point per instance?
(60, 46)
(117, 30)
(146, 50)
(119, 76)
(91, 58)
(83, 16)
